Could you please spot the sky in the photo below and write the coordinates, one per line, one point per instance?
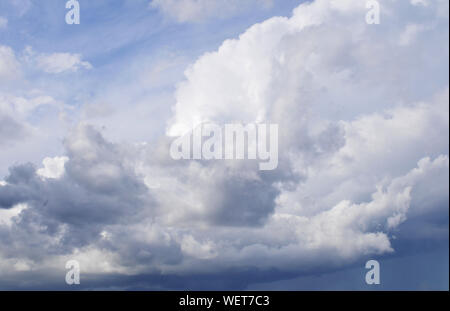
(88, 113)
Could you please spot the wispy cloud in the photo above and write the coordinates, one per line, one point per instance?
(3, 22)
(197, 11)
(56, 63)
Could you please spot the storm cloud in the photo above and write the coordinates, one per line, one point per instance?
(363, 163)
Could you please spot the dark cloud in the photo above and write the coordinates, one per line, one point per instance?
(359, 174)
(96, 190)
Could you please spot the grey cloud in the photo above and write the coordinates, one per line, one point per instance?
(76, 207)
(10, 130)
(363, 165)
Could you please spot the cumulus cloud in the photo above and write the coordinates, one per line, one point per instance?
(7, 215)
(363, 152)
(200, 10)
(281, 49)
(53, 167)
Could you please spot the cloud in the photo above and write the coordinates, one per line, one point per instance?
(411, 31)
(21, 6)
(278, 50)
(9, 66)
(420, 2)
(10, 129)
(200, 10)
(61, 62)
(7, 215)
(76, 206)
(363, 155)
(55, 63)
(15, 113)
(3, 22)
(53, 167)
(72, 217)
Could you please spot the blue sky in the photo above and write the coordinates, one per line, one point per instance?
(86, 118)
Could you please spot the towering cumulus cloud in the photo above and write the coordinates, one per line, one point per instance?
(363, 157)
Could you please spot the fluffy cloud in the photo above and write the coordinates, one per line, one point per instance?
(53, 167)
(100, 208)
(363, 117)
(305, 52)
(199, 10)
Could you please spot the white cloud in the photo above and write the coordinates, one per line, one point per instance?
(9, 66)
(22, 107)
(55, 63)
(199, 10)
(22, 6)
(410, 33)
(193, 248)
(420, 2)
(3, 22)
(351, 115)
(363, 141)
(53, 167)
(331, 68)
(7, 216)
(61, 62)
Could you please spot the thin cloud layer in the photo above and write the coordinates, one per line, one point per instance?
(3, 22)
(56, 63)
(202, 10)
(9, 66)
